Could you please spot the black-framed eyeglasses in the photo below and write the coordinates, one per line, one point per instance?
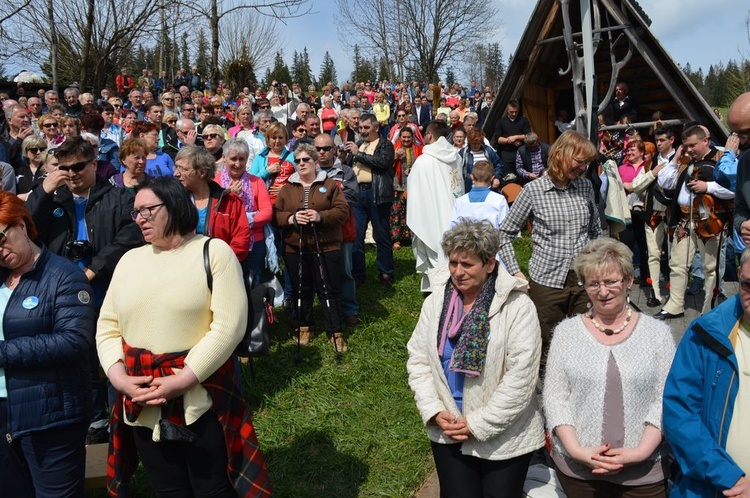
(146, 212)
(77, 167)
(298, 160)
(324, 148)
(4, 234)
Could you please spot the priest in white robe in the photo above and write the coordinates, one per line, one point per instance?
(434, 184)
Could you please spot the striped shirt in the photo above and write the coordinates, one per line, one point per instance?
(563, 222)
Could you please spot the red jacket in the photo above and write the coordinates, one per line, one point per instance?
(261, 202)
(123, 83)
(227, 220)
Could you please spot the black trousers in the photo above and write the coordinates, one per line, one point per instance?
(463, 476)
(312, 282)
(50, 463)
(187, 470)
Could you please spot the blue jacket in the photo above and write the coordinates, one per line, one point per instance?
(492, 158)
(698, 404)
(260, 163)
(49, 337)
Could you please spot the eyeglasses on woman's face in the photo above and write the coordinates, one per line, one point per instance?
(305, 160)
(608, 284)
(146, 212)
(4, 234)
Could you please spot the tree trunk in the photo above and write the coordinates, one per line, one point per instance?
(214, 45)
(53, 44)
(87, 34)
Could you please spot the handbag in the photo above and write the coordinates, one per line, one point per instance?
(257, 338)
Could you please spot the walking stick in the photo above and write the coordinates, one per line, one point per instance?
(321, 263)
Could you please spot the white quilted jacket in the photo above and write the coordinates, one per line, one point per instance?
(500, 405)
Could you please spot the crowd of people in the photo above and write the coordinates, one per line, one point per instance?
(102, 196)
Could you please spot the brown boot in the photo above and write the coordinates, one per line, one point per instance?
(339, 343)
(305, 335)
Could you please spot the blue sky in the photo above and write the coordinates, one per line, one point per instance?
(694, 31)
(698, 32)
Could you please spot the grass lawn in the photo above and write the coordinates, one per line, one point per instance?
(349, 429)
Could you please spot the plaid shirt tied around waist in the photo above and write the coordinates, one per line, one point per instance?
(246, 468)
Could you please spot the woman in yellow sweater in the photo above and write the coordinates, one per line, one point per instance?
(164, 339)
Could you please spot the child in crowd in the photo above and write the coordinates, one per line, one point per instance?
(481, 203)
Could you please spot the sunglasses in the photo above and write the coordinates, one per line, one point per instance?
(77, 167)
(298, 160)
(4, 234)
(301, 130)
(211, 136)
(325, 148)
(188, 109)
(50, 125)
(35, 150)
(117, 105)
(168, 99)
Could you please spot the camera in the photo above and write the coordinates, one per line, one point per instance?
(342, 147)
(78, 250)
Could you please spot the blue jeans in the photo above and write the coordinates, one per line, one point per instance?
(347, 287)
(256, 261)
(379, 214)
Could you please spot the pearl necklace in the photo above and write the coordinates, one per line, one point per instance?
(610, 332)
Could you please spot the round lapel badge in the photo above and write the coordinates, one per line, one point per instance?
(30, 302)
(58, 213)
(84, 297)
(323, 190)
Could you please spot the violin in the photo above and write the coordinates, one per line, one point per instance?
(708, 223)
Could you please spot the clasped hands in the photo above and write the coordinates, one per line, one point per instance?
(604, 460)
(147, 390)
(454, 427)
(305, 217)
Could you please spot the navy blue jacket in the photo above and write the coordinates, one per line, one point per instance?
(49, 337)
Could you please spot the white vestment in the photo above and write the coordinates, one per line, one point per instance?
(434, 183)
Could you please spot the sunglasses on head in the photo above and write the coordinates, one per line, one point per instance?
(77, 167)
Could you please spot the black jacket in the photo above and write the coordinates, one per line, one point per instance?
(381, 164)
(49, 336)
(111, 231)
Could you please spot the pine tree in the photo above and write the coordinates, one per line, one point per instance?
(495, 68)
(185, 52)
(327, 71)
(280, 71)
(305, 77)
(450, 76)
(203, 57)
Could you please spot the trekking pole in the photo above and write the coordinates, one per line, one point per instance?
(298, 356)
(325, 287)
